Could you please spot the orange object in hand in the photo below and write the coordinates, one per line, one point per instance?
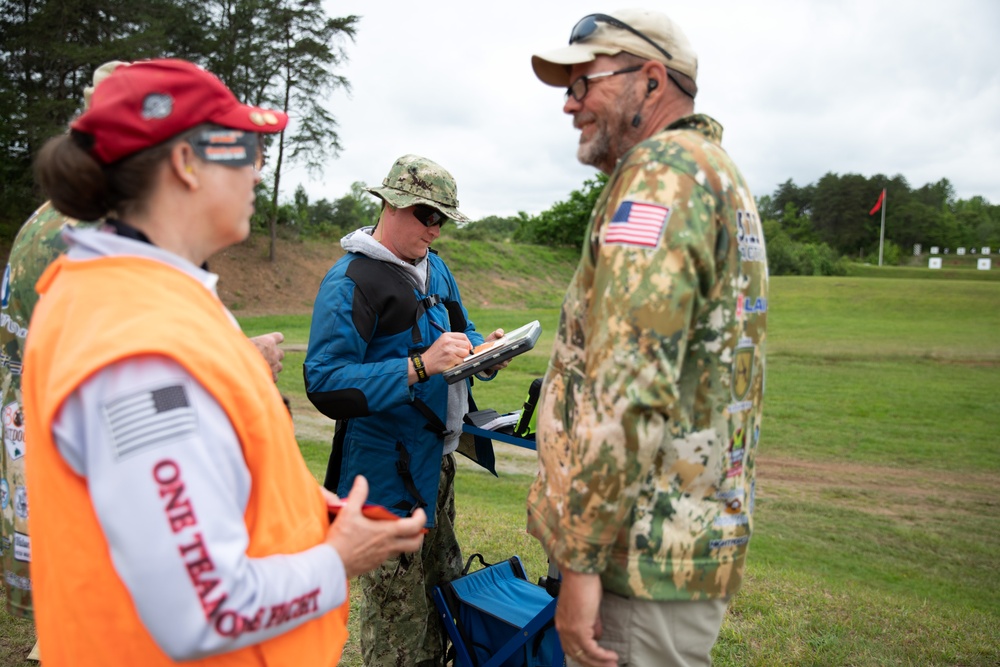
(370, 510)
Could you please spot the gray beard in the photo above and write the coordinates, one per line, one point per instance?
(606, 146)
(595, 152)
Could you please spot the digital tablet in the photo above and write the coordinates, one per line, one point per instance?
(489, 354)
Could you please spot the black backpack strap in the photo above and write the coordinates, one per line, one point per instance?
(528, 409)
(334, 465)
(422, 305)
(434, 423)
(403, 470)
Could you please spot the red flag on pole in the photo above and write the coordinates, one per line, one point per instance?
(878, 204)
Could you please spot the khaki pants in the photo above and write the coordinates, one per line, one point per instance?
(649, 633)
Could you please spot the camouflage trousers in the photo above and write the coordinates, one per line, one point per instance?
(399, 623)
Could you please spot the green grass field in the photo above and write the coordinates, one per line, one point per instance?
(878, 512)
(878, 501)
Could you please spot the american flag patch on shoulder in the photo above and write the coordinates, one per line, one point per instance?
(149, 418)
(637, 223)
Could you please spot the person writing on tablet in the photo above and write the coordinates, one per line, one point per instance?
(388, 320)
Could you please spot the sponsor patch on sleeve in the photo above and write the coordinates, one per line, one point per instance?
(149, 418)
(637, 224)
(13, 430)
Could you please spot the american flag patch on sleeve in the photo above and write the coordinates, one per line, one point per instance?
(149, 418)
(635, 223)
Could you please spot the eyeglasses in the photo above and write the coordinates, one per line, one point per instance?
(429, 217)
(578, 89)
(586, 27)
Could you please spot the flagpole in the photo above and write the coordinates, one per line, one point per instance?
(881, 237)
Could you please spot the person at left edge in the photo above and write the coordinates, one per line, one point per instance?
(38, 243)
(388, 320)
(173, 515)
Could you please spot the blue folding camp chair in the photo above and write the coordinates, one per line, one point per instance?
(496, 618)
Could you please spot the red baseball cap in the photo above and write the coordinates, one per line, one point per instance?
(143, 104)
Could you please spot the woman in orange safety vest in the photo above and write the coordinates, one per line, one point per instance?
(173, 517)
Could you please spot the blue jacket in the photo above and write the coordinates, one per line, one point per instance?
(367, 320)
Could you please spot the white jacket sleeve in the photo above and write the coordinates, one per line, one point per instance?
(169, 486)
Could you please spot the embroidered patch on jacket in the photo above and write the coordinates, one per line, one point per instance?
(13, 430)
(636, 223)
(149, 418)
(742, 371)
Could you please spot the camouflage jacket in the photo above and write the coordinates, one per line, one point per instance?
(651, 407)
(37, 244)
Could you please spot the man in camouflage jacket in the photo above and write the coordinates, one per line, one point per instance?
(38, 243)
(650, 412)
(36, 246)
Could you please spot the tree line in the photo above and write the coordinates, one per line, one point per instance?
(834, 216)
(285, 54)
(281, 54)
(813, 229)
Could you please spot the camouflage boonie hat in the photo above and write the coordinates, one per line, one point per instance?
(417, 180)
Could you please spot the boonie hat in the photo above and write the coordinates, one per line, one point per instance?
(417, 180)
(641, 32)
(143, 104)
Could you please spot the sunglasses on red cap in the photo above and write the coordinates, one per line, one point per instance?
(229, 147)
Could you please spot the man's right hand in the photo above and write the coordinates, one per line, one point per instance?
(578, 619)
(449, 349)
(363, 543)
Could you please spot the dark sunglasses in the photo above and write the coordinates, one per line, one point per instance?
(586, 27)
(429, 217)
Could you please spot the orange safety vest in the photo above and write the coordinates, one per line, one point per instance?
(93, 314)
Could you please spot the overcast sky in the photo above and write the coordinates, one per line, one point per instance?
(907, 87)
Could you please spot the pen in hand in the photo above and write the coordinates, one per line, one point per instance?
(442, 329)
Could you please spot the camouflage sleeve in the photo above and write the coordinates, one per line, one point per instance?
(637, 323)
(36, 245)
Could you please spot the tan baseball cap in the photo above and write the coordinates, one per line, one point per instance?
(641, 32)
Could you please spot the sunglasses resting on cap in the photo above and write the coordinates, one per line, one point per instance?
(586, 27)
